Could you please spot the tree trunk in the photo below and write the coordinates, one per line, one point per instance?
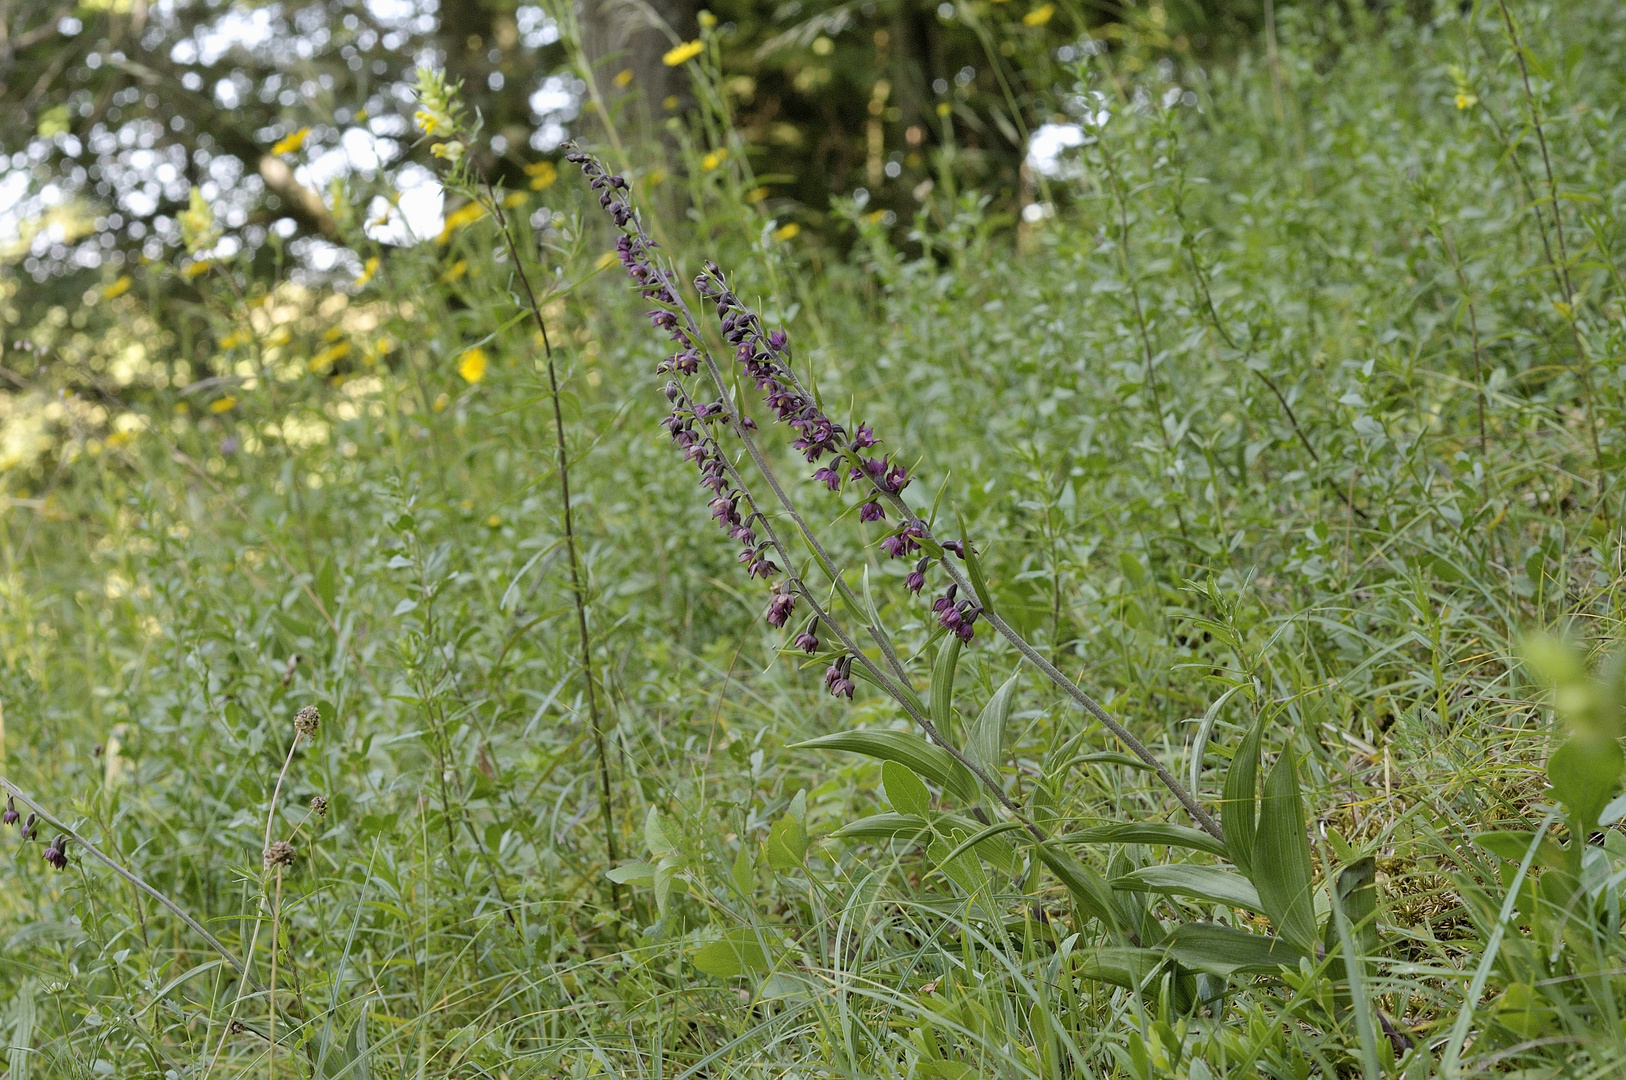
(622, 36)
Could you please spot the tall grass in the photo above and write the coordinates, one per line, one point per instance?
(1299, 404)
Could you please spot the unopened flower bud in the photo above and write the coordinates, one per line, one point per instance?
(280, 853)
(57, 853)
(10, 816)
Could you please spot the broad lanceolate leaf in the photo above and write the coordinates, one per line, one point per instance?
(885, 827)
(985, 743)
(1146, 832)
(1281, 856)
(1240, 806)
(1090, 891)
(738, 952)
(1121, 965)
(1355, 889)
(633, 873)
(903, 789)
(1202, 882)
(948, 655)
(906, 748)
(1585, 772)
(1223, 950)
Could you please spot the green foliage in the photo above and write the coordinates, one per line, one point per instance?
(1285, 427)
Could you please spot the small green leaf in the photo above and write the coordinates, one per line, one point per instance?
(738, 952)
(1281, 856)
(655, 837)
(985, 744)
(904, 790)
(1202, 882)
(1585, 773)
(1240, 806)
(906, 748)
(744, 871)
(787, 843)
(633, 873)
(1510, 845)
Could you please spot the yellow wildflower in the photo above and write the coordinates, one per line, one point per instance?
(463, 215)
(197, 269)
(118, 288)
(1466, 101)
(493, 522)
(669, 102)
(515, 199)
(472, 365)
(681, 53)
(291, 143)
(324, 359)
(714, 159)
(707, 20)
(455, 271)
(622, 77)
(225, 404)
(367, 271)
(542, 174)
(786, 232)
(756, 195)
(240, 336)
(1039, 15)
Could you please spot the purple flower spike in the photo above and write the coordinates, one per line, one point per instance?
(57, 853)
(779, 608)
(906, 541)
(863, 438)
(806, 641)
(871, 511)
(777, 341)
(829, 477)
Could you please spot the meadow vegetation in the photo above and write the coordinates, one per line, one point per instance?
(1283, 416)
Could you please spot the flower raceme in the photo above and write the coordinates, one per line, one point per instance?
(764, 358)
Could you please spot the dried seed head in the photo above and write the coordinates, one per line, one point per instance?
(319, 805)
(280, 853)
(307, 720)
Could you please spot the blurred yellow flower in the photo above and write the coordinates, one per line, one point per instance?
(472, 365)
(455, 271)
(756, 195)
(1466, 101)
(656, 178)
(944, 108)
(225, 404)
(542, 174)
(118, 288)
(787, 232)
(493, 521)
(622, 77)
(1039, 15)
(515, 199)
(440, 403)
(714, 159)
(324, 359)
(707, 19)
(463, 215)
(368, 269)
(241, 336)
(606, 259)
(289, 144)
(687, 51)
(669, 102)
(197, 269)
